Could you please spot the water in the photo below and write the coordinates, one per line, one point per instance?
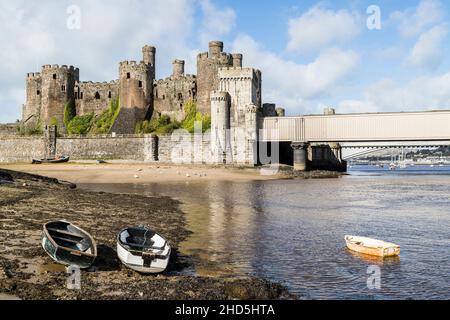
(293, 231)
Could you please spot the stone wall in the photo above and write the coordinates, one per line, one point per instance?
(20, 149)
(171, 95)
(8, 129)
(176, 149)
(95, 96)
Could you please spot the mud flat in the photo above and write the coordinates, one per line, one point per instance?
(28, 201)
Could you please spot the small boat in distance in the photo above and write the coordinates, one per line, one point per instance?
(143, 250)
(67, 244)
(372, 247)
(61, 159)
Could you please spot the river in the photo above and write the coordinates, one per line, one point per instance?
(292, 231)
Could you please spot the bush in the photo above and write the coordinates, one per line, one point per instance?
(54, 121)
(37, 129)
(105, 121)
(81, 124)
(161, 125)
(192, 116)
(164, 125)
(69, 112)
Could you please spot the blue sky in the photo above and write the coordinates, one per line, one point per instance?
(312, 53)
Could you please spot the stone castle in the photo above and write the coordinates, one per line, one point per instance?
(222, 88)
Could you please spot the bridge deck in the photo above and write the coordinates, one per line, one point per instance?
(377, 127)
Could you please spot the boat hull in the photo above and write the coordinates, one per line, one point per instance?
(138, 262)
(40, 161)
(143, 250)
(372, 247)
(68, 256)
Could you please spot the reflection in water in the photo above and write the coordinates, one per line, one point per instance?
(293, 231)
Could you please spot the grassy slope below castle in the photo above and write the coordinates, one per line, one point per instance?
(89, 123)
(165, 125)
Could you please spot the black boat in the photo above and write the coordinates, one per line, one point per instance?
(69, 245)
(62, 159)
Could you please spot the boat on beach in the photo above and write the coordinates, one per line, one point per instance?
(143, 250)
(372, 247)
(61, 159)
(68, 244)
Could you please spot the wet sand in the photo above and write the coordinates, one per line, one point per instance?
(26, 272)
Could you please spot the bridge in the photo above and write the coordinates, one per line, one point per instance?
(317, 140)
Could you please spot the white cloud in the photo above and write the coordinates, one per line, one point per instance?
(412, 22)
(319, 27)
(428, 52)
(422, 93)
(216, 21)
(35, 33)
(293, 84)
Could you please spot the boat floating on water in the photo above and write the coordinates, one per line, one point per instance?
(67, 244)
(143, 250)
(372, 247)
(62, 159)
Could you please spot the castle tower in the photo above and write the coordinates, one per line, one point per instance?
(149, 56)
(32, 109)
(57, 89)
(177, 69)
(220, 127)
(237, 60)
(244, 88)
(208, 64)
(135, 91)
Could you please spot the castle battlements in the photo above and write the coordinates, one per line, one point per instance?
(238, 73)
(98, 84)
(34, 75)
(220, 96)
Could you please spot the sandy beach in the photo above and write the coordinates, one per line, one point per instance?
(91, 172)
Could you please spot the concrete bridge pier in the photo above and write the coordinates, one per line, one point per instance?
(324, 156)
(327, 156)
(300, 156)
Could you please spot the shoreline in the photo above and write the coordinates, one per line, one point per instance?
(26, 272)
(135, 172)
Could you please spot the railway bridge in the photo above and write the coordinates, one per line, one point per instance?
(317, 141)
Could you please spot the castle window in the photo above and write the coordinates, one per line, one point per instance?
(164, 97)
(109, 95)
(128, 75)
(81, 95)
(180, 96)
(54, 76)
(38, 92)
(63, 88)
(97, 95)
(140, 84)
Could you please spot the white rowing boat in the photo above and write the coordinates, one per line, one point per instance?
(143, 250)
(372, 247)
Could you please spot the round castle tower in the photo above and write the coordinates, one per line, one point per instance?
(177, 69)
(136, 90)
(149, 55)
(220, 126)
(237, 60)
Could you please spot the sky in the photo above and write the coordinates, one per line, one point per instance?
(312, 54)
